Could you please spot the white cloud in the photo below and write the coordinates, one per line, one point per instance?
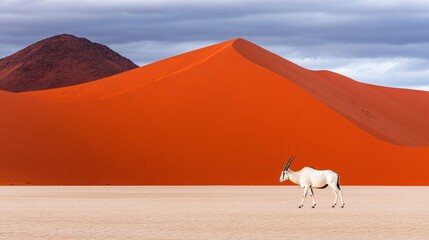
(396, 72)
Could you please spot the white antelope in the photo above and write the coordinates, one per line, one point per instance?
(310, 178)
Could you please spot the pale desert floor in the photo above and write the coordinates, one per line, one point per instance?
(218, 212)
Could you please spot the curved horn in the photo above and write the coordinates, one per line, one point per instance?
(289, 162)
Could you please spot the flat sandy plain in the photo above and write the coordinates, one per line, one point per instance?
(211, 212)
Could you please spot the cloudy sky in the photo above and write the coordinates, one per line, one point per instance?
(384, 42)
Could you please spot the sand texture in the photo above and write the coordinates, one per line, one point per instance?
(211, 213)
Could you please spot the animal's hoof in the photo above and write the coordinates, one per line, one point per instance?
(299, 206)
(333, 206)
(313, 206)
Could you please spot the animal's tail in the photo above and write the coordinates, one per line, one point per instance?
(338, 182)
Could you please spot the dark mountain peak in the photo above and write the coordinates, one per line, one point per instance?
(59, 61)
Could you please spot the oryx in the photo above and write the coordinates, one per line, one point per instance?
(310, 178)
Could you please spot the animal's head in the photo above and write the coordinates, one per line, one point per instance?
(284, 175)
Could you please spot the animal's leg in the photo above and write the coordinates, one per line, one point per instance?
(303, 196)
(312, 197)
(338, 191)
(336, 197)
(342, 200)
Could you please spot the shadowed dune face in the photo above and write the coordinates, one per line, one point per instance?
(231, 113)
(386, 113)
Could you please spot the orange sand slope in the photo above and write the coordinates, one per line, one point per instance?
(231, 113)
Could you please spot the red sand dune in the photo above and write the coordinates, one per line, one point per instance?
(231, 113)
(58, 61)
